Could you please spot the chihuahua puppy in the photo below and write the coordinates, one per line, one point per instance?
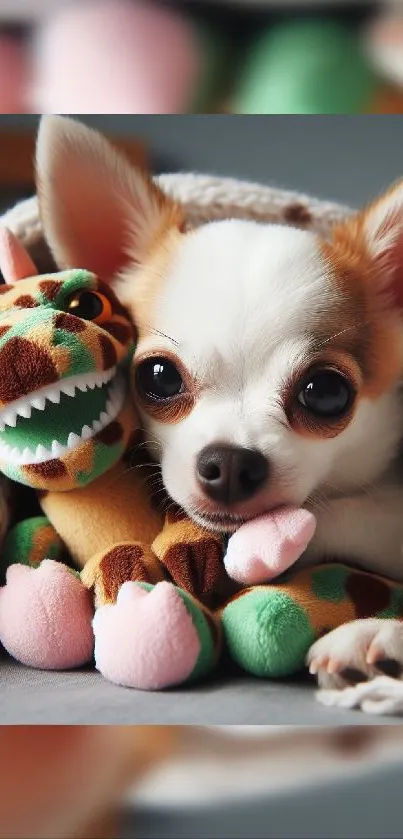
(269, 361)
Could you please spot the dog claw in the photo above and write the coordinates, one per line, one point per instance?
(375, 653)
(333, 665)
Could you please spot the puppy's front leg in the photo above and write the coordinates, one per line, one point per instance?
(361, 530)
(366, 531)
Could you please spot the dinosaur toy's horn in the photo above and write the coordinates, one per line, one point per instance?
(15, 262)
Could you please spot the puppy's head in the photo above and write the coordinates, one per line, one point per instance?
(268, 364)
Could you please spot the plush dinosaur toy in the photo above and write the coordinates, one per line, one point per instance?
(164, 590)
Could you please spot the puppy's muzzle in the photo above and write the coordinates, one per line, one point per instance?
(228, 474)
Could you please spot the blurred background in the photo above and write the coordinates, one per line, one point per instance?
(201, 56)
(341, 159)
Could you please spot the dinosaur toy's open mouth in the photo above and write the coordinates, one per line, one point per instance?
(55, 420)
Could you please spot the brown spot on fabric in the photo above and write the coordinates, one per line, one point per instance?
(352, 740)
(5, 288)
(369, 594)
(26, 301)
(197, 567)
(109, 354)
(111, 434)
(122, 564)
(24, 367)
(122, 332)
(49, 470)
(297, 214)
(69, 323)
(3, 330)
(50, 289)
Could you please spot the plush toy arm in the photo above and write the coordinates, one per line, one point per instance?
(192, 557)
(269, 629)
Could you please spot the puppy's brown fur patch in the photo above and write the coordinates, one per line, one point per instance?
(366, 321)
(140, 288)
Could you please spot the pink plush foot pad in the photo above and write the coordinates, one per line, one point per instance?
(45, 617)
(147, 640)
(265, 547)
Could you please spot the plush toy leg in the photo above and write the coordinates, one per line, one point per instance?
(124, 562)
(269, 629)
(149, 634)
(45, 611)
(155, 637)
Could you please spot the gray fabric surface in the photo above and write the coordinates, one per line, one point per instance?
(36, 697)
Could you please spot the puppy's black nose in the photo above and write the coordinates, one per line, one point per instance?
(228, 474)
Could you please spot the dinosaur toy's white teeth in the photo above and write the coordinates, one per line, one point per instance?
(25, 411)
(114, 402)
(86, 433)
(23, 407)
(38, 403)
(9, 417)
(57, 450)
(54, 396)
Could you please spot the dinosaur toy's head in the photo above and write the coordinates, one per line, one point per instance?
(65, 341)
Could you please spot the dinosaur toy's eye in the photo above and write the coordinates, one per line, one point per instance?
(90, 305)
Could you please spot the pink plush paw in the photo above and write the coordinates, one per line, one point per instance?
(45, 617)
(147, 640)
(265, 547)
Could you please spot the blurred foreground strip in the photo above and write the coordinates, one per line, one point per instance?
(219, 764)
(69, 782)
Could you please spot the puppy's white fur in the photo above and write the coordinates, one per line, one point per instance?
(240, 305)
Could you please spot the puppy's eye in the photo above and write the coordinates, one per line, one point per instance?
(158, 378)
(90, 305)
(326, 393)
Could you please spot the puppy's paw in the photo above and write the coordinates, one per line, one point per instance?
(358, 651)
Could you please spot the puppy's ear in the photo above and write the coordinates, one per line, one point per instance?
(98, 211)
(375, 236)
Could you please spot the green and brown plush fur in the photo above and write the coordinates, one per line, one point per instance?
(65, 414)
(58, 373)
